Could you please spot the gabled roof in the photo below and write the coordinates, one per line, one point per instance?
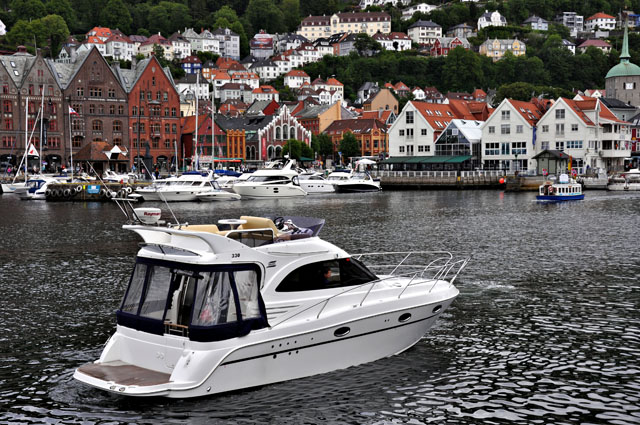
(356, 126)
(595, 43)
(102, 32)
(204, 125)
(527, 110)
(470, 129)
(381, 115)
(435, 113)
(400, 86)
(191, 59)
(117, 37)
(18, 66)
(156, 39)
(600, 15)
(265, 90)
(219, 75)
(236, 86)
(95, 152)
(333, 82)
(297, 73)
(428, 24)
(312, 111)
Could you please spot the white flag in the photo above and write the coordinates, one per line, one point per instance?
(32, 150)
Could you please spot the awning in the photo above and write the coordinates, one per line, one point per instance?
(436, 159)
(304, 158)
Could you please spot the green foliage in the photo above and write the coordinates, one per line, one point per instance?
(525, 91)
(291, 13)
(366, 46)
(321, 143)
(349, 145)
(207, 56)
(50, 31)
(263, 14)
(28, 9)
(61, 8)
(297, 149)
(116, 15)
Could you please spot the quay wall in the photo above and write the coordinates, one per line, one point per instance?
(408, 180)
(65, 192)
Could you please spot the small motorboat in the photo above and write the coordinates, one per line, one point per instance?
(216, 193)
(627, 181)
(35, 189)
(358, 182)
(110, 176)
(213, 308)
(565, 189)
(186, 187)
(314, 182)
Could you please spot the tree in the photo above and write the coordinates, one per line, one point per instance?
(28, 9)
(297, 149)
(291, 13)
(349, 145)
(116, 15)
(366, 46)
(462, 70)
(56, 33)
(62, 8)
(158, 20)
(322, 145)
(264, 14)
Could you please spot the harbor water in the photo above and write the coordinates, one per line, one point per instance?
(546, 328)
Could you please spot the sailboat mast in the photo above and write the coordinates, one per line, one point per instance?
(26, 137)
(41, 127)
(213, 131)
(195, 156)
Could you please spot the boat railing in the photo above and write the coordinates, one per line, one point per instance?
(438, 269)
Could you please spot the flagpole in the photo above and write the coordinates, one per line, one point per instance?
(70, 142)
(26, 137)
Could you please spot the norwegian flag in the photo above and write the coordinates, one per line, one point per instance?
(72, 111)
(32, 150)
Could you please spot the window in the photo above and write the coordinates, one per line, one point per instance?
(519, 148)
(95, 92)
(92, 108)
(506, 115)
(409, 117)
(76, 125)
(7, 106)
(101, 109)
(165, 96)
(96, 125)
(53, 125)
(560, 129)
(344, 272)
(518, 129)
(400, 132)
(112, 109)
(117, 126)
(545, 128)
(401, 149)
(574, 127)
(112, 93)
(492, 129)
(409, 133)
(141, 94)
(166, 128)
(8, 124)
(166, 112)
(5, 88)
(77, 141)
(574, 144)
(155, 143)
(504, 149)
(423, 132)
(544, 145)
(559, 114)
(173, 112)
(134, 111)
(174, 128)
(505, 129)
(167, 144)
(492, 149)
(560, 146)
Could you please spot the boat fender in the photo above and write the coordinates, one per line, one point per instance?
(129, 190)
(122, 193)
(78, 188)
(47, 193)
(103, 193)
(58, 192)
(67, 192)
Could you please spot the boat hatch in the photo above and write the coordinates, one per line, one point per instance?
(201, 302)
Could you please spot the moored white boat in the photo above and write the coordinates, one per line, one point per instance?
(215, 193)
(271, 183)
(174, 189)
(627, 181)
(565, 189)
(35, 189)
(314, 182)
(210, 310)
(358, 182)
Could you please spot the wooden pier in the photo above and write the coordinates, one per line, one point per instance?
(409, 180)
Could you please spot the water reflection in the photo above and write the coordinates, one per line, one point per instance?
(545, 330)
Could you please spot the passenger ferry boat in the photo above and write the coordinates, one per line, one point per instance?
(253, 301)
(565, 189)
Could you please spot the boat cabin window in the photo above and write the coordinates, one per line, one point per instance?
(205, 303)
(327, 274)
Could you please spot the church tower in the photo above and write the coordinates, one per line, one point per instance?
(623, 80)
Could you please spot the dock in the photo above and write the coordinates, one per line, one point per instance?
(411, 180)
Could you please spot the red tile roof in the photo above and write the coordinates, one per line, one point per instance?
(600, 15)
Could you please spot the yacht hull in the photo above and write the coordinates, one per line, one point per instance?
(357, 187)
(266, 357)
(623, 186)
(317, 187)
(268, 191)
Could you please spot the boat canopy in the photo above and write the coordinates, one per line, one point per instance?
(202, 302)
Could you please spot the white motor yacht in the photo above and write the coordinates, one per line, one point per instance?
(110, 176)
(314, 182)
(271, 182)
(186, 187)
(627, 181)
(216, 193)
(35, 188)
(253, 301)
(358, 182)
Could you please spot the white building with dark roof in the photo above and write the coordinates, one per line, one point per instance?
(424, 32)
(417, 8)
(397, 41)
(491, 19)
(228, 43)
(314, 27)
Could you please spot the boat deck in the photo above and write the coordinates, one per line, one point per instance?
(125, 374)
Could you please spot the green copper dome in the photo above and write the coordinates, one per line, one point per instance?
(624, 68)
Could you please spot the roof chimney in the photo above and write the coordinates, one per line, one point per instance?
(22, 49)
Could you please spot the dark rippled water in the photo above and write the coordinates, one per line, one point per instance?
(546, 328)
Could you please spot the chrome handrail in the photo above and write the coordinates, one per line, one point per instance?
(442, 271)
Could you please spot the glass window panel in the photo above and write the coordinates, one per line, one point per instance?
(247, 285)
(132, 298)
(214, 301)
(156, 292)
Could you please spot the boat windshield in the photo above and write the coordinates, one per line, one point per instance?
(209, 303)
(327, 274)
(267, 179)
